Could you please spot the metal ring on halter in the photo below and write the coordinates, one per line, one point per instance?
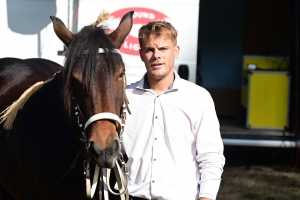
(101, 50)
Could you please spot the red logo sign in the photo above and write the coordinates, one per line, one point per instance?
(141, 16)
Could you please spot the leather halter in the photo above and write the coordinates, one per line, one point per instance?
(104, 179)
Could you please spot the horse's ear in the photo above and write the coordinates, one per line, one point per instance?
(61, 31)
(118, 36)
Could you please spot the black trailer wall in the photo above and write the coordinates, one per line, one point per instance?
(228, 30)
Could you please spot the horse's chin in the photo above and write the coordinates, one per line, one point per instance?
(106, 162)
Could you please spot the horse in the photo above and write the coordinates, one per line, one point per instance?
(17, 75)
(60, 128)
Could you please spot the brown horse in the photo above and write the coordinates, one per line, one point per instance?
(69, 120)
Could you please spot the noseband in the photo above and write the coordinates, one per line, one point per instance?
(104, 180)
(104, 115)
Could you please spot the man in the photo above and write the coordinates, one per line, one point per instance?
(172, 138)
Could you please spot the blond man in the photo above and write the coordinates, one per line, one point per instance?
(172, 138)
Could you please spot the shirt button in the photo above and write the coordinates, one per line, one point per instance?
(154, 159)
(155, 138)
(152, 181)
(156, 117)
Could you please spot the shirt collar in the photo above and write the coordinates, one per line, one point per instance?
(143, 84)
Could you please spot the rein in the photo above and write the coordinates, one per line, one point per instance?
(103, 176)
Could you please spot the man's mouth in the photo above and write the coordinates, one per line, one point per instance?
(155, 65)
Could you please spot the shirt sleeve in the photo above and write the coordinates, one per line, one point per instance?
(210, 147)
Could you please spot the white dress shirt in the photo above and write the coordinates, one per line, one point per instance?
(173, 142)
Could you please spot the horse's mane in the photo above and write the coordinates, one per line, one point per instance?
(9, 114)
(82, 58)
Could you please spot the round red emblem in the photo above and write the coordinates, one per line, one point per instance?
(141, 16)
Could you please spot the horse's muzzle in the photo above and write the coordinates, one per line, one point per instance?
(106, 157)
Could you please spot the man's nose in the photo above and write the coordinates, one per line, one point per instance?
(156, 53)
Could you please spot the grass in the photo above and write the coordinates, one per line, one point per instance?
(257, 179)
(259, 183)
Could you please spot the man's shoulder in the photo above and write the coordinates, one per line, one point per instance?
(189, 86)
(194, 94)
(133, 85)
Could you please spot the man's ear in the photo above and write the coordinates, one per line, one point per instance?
(140, 51)
(176, 52)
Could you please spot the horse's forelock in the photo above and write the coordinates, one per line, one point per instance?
(84, 49)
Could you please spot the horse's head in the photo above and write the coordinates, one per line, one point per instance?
(94, 76)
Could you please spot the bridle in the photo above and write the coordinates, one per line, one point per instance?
(105, 172)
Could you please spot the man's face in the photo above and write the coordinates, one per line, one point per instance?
(158, 54)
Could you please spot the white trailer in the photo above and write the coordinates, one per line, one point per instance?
(27, 30)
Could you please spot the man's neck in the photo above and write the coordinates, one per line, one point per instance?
(161, 85)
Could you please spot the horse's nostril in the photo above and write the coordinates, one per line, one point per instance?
(115, 146)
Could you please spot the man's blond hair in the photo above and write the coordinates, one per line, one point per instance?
(157, 29)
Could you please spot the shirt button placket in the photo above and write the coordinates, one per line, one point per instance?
(155, 148)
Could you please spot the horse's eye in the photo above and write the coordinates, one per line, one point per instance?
(122, 74)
